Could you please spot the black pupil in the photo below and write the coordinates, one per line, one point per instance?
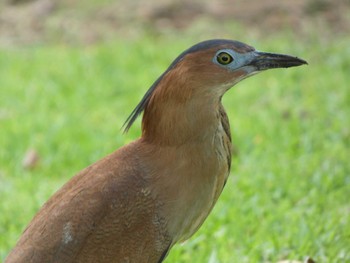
(224, 58)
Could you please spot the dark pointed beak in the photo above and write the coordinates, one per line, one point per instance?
(263, 61)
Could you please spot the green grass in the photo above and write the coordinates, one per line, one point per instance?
(288, 196)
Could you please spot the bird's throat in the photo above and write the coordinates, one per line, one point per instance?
(176, 123)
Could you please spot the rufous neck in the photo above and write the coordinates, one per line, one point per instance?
(174, 122)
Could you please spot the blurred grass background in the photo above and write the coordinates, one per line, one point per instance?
(72, 71)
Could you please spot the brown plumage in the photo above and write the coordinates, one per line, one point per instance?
(136, 203)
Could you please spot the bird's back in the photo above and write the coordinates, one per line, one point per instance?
(103, 214)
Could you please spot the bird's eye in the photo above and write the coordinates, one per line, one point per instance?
(224, 58)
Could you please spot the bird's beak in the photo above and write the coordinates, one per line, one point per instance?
(262, 61)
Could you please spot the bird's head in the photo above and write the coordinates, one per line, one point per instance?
(217, 65)
(209, 69)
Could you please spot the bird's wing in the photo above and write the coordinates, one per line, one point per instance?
(105, 213)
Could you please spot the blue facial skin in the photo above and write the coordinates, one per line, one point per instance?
(241, 61)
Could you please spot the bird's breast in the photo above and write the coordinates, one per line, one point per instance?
(212, 178)
(192, 180)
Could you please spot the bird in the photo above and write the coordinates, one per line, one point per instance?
(136, 203)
